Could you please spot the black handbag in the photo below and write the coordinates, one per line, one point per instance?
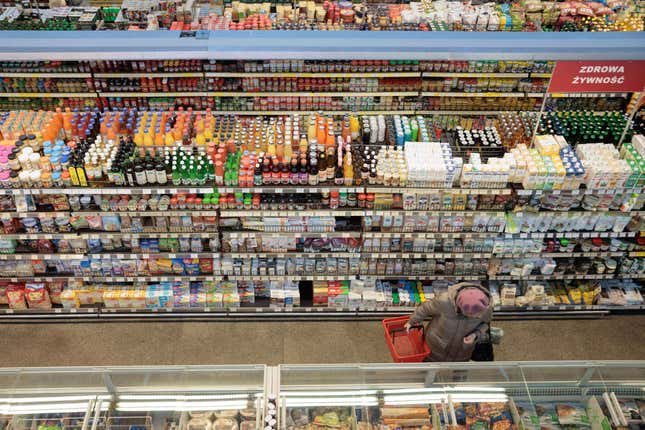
(483, 349)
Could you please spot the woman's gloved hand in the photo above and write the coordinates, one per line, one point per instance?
(469, 339)
(407, 326)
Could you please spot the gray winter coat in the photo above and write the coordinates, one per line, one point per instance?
(445, 333)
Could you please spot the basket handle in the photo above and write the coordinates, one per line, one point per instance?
(418, 327)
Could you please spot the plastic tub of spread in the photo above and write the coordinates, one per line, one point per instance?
(31, 225)
(611, 264)
(48, 225)
(62, 222)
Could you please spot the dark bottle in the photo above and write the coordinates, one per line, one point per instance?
(322, 168)
(303, 176)
(338, 176)
(140, 175)
(129, 174)
(313, 173)
(294, 178)
(151, 173)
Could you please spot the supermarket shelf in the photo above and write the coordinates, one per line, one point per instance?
(488, 94)
(151, 278)
(168, 94)
(556, 277)
(236, 234)
(398, 212)
(570, 235)
(269, 213)
(290, 189)
(49, 314)
(461, 112)
(474, 75)
(145, 213)
(311, 94)
(35, 236)
(107, 256)
(44, 75)
(541, 75)
(182, 212)
(316, 277)
(302, 112)
(587, 95)
(460, 234)
(291, 254)
(37, 278)
(103, 191)
(308, 312)
(427, 255)
(42, 214)
(561, 254)
(304, 189)
(42, 256)
(49, 95)
(150, 75)
(484, 191)
(290, 278)
(146, 235)
(580, 191)
(313, 75)
(421, 277)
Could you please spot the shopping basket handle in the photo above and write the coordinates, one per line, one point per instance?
(419, 327)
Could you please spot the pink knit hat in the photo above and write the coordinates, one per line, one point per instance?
(472, 301)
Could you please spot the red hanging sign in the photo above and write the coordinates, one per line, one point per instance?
(598, 77)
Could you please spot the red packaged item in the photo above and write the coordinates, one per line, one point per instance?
(37, 296)
(55, 289)
(16, 296)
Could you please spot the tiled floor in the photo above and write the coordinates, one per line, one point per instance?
(149, 343)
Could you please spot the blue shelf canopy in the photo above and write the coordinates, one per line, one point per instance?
(323, 45)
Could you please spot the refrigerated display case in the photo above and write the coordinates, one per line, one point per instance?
(129, 398)
(521, 395)
(506, 395)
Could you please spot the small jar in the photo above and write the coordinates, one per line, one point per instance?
(369, 201)
(610, 265)
(325, 200)
(164, 203)
(5, 179)
(342, 199)
(351, 200)
(334, 198)
(14, 179)
(74, 203)
(599, 266)
(361, 200)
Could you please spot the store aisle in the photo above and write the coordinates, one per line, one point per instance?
(617, 337)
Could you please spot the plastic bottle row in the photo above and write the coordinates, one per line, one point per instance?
(342, 294)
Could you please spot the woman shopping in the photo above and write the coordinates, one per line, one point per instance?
(460, 317)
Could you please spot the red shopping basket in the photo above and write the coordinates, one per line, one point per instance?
(405, 347)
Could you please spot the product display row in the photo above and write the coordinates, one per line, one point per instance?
(142, 148)
(363, 295)
(536, 15)
(295, 86)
